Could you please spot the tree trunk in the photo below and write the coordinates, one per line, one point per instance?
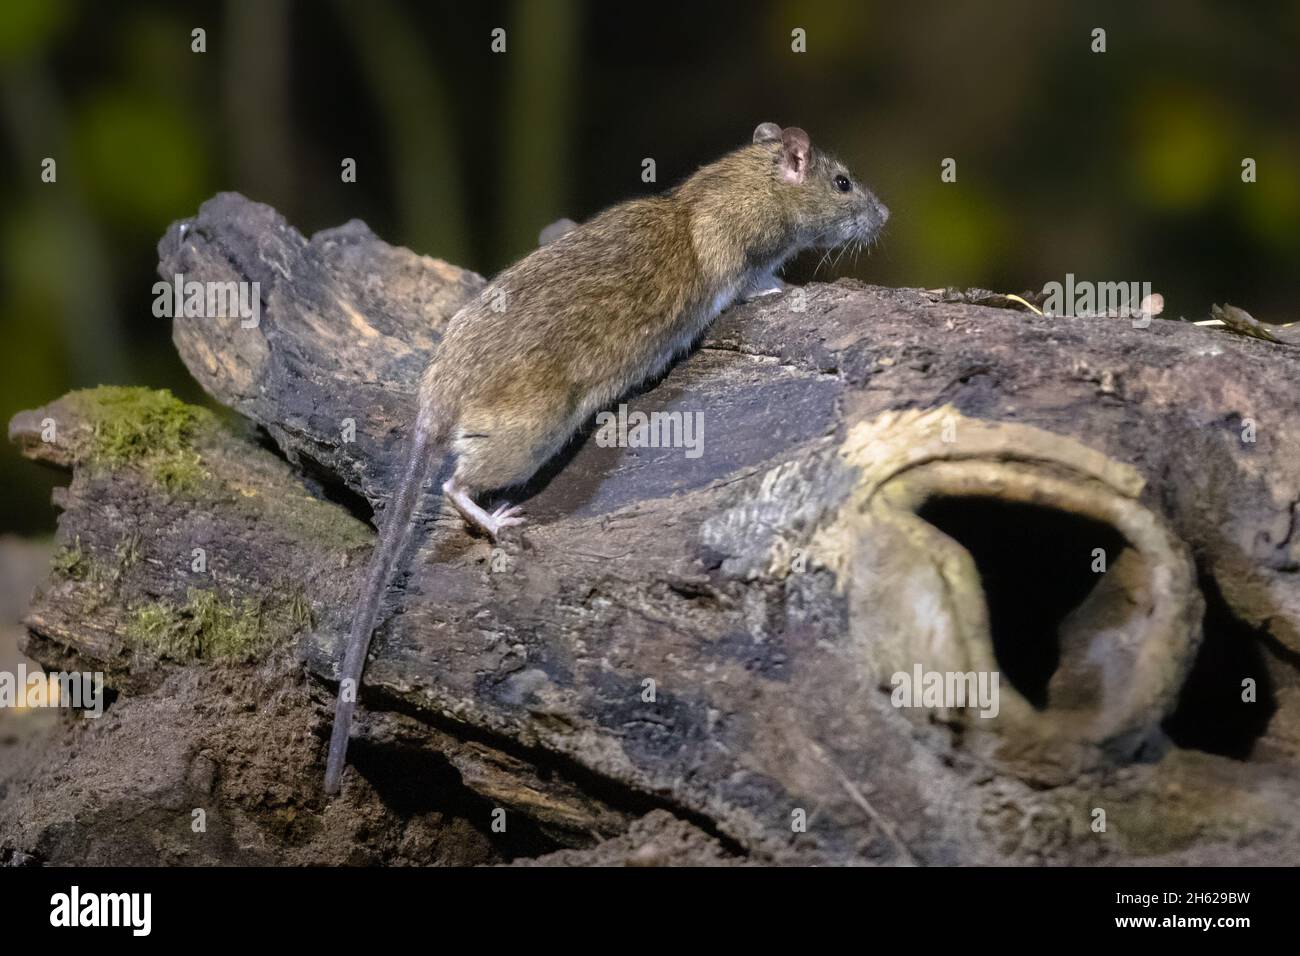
(862, 491)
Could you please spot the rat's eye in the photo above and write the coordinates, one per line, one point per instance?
(842, 183)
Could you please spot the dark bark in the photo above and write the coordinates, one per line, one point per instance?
(887, 480)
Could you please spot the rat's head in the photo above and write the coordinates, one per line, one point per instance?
(822, 201)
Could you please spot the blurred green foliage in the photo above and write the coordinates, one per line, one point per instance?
(28, 26)
(175, 167)
(1119, 166)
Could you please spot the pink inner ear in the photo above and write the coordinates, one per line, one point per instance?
(794, 163)
(793, 136)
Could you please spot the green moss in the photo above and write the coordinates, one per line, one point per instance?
(178, 474)
(73, 563)
(70, 561)
(205, 627)
(149, 428)
(300, 612)
(127, 551)
(323, 523)
(1157, 821)
(157, 432)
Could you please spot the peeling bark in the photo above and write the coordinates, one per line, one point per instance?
(888, 480)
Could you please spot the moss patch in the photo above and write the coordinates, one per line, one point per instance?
(205, 627)
(1157, 821)
(70, 561)
(322, 523)
(145, 427)
(73, 563)
(211, 475)
(158, 433)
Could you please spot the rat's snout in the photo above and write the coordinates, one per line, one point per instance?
(872, 217)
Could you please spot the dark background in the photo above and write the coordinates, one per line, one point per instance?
(1122, 166)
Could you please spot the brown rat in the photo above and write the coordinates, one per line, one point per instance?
(579, 321)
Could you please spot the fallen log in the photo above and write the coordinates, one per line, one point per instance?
(889, 486)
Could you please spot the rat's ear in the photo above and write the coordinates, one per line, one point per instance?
(767, 133)
(796, 150)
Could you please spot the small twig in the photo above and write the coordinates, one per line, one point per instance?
(875, 815)
(885, 826)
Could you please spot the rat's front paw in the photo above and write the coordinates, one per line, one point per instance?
(768, 285)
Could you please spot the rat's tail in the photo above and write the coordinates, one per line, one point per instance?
(425, 440)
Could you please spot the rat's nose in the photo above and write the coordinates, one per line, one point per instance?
(882, 212)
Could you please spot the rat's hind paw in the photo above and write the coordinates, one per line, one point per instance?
(506, 516)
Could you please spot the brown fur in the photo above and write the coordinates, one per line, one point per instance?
(578, 322)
